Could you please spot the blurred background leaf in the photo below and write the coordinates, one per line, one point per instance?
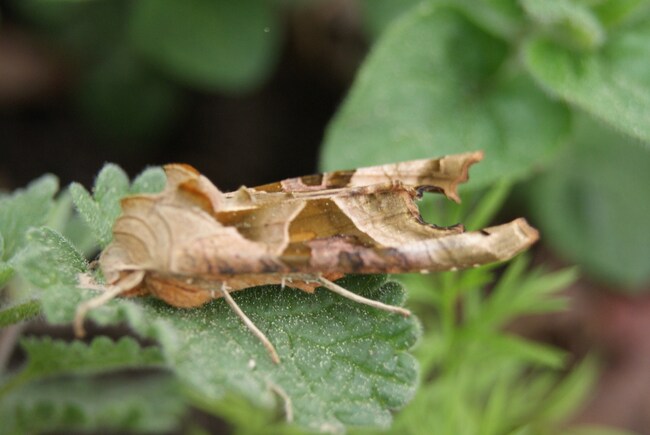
(210, 44)
(434, 61)
(593, 204)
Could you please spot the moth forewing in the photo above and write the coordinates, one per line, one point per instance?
(191, 243)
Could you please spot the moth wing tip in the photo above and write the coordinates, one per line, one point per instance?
(528, 232)
(181, 167)
(466, 160)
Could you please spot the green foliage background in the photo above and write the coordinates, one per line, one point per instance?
(557, 95)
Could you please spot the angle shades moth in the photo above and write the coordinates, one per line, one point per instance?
(192, 243)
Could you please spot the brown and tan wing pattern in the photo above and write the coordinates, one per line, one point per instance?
(442, 175)
(382, 232)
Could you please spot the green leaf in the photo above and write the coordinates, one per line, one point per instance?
(520, 292)
(100, 210)
(437, 84)
(571, 392)
(63, 219)
(48, 360)
(342, 363)
(526, 350)
(137, 404)
(6, 272)
(477, 379)
(99, 214)
(615, 12)
(47, 357)
(209, 44)
(151, 180)
(572, 23)
(612, 84)
(501, 18)
(19, 312)
(111, 185)
(90, 213)
(23, 209)
(378, 14)
(49, 259)
(489, 205)
(592, 206)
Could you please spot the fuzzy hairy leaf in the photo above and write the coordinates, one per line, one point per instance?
(100, 210)
(47, 357)
(23, 209)
(151, 180)
(18, 312)
(49, 259)
(437, 84)
(149, 404)
(67, 366)
(342, 363)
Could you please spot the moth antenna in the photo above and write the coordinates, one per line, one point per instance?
(249, 323)
(360, 299)
(110, 292)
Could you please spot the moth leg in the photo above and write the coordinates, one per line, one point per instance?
(360, 299)
(110, 292)
(249, 323)
(288, 407)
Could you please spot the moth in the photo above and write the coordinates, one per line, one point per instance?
(192, 243)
